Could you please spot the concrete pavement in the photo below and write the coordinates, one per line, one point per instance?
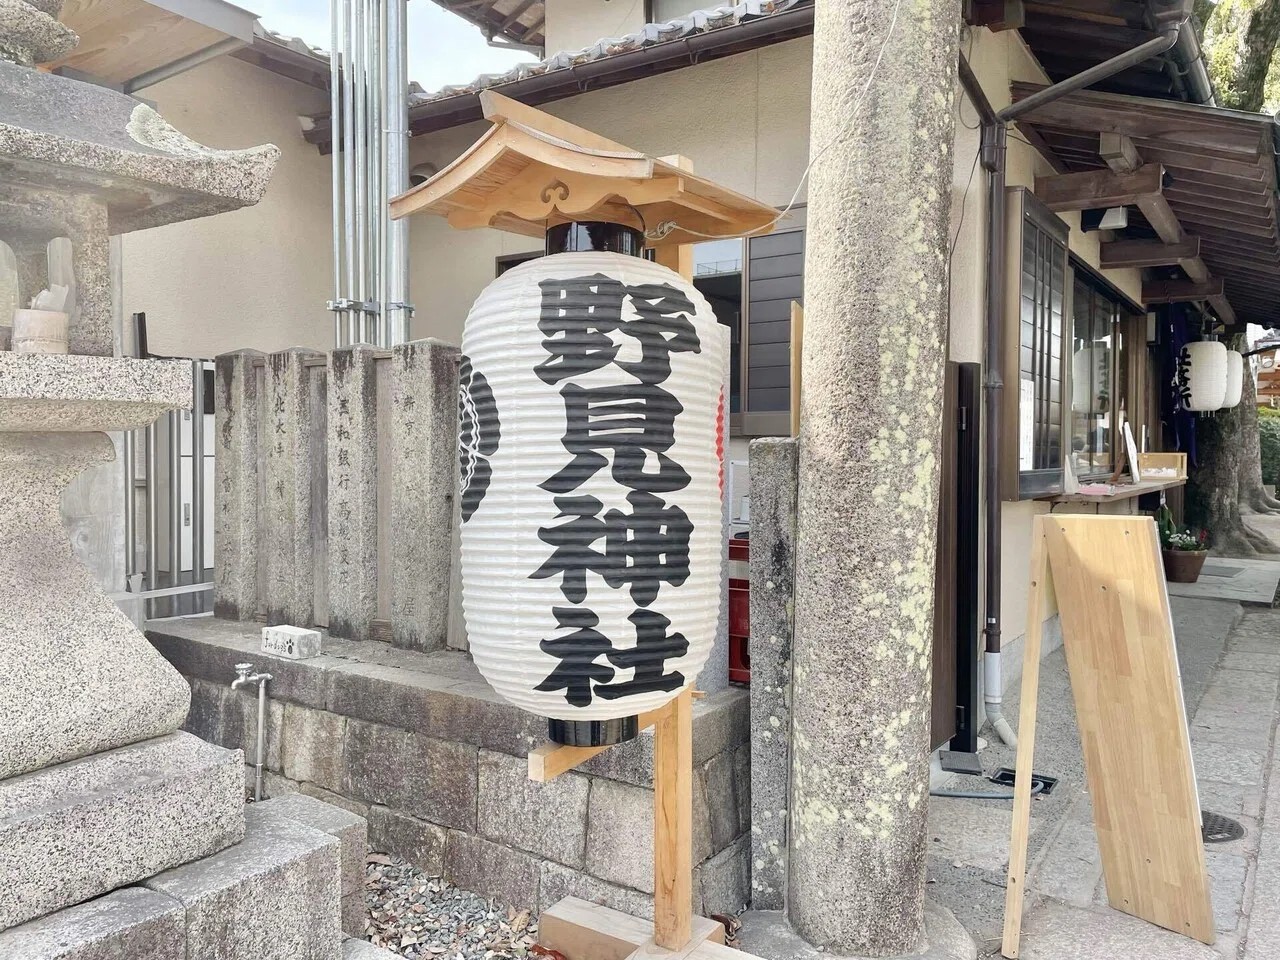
(1230, 663)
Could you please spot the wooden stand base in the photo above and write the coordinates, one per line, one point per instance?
(588, 931)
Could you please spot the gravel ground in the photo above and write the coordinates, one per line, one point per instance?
(424, 918)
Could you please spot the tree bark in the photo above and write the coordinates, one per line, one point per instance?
(873, 360)
(1223, 451)
(1252, 27)
(1253, 495)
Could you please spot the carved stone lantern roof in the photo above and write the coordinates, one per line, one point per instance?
(78, 140)
(532, 171)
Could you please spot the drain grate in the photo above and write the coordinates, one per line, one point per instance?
(1215, 828)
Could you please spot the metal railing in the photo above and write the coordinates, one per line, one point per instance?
(168, 471)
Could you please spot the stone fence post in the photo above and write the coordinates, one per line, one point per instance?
(235, 483)
(424, 430)
(352, 452)
(290, 501)
(773, 557)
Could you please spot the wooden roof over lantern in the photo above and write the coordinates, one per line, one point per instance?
(531, 171)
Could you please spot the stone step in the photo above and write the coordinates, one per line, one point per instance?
(354, 949)
(80, 829)
(274, 895)
(350, 831)
(132, 923)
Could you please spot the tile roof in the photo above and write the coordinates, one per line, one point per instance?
(651, 35)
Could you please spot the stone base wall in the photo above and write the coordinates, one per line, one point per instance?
(418, 745)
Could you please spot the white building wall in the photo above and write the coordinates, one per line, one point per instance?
(257, 277)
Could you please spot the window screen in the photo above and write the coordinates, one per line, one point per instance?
(775, 278)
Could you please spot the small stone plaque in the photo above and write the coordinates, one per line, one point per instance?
(296, 643)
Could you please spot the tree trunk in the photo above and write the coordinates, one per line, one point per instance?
(1252, 28)
(871, 417)
(1213, 488)
(1253, 496)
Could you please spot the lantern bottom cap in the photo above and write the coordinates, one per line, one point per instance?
(593, 733)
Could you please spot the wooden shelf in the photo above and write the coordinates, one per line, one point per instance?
(1125, 491)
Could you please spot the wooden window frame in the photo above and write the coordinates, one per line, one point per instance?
(1023, 208)
(1129, 336)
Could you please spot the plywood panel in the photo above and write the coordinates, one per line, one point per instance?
(1118, 637)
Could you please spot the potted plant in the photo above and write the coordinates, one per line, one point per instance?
(1184, 554)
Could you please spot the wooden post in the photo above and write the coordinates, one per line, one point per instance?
(1026, 742)
(673, 824)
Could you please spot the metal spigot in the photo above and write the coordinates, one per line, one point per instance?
(242, 675)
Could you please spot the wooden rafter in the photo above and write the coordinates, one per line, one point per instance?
(1099, 188)
(1121, 254)
(1179, 291)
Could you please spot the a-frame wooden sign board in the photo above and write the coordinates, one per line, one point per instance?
(527, 173)
(1117, 633)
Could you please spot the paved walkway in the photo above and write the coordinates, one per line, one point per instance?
(1230, 662)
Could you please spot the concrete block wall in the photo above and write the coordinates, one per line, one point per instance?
(419, 746)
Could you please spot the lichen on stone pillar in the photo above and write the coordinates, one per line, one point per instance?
(873, 361)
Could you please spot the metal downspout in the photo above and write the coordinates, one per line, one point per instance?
(993, 155)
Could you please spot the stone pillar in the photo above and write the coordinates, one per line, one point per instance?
(92, 327)
(875, 313)
(352, 452)
(289, 542)
(424, 465)
(773, 554)
(236, 535)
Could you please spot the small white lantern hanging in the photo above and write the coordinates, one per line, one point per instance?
(591, 446)
(1202, 375)
(1235, 380)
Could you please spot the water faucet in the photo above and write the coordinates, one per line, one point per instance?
(244, 677)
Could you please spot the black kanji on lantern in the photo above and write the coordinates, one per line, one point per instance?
(643, 549)
(577, 652)
(578, 655)
(591, 323)
(580, 314)
(630, 421)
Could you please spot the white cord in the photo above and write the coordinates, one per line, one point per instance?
(665, 227)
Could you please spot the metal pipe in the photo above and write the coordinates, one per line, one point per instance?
(1095, 74)
(183, 64)
(335, 168)
(175, 498)
(153, 513)
(245, 676)
(197, 472)
(130, 506)
(396, 305)
(379, 200)
(359, 66)
(993, 157)
(348, 162)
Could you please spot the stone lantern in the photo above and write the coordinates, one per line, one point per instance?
(98, 788)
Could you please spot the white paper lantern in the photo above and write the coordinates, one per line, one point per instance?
(591, 442)
(1235, 380)
(1202, 374)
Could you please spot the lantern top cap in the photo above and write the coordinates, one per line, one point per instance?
(531, 171)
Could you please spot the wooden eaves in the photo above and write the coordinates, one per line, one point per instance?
(1203, 181)
(531, 171)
